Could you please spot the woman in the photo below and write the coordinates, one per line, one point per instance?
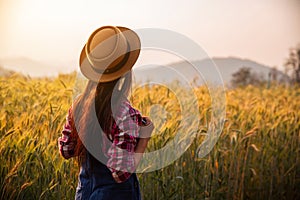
(106, 133)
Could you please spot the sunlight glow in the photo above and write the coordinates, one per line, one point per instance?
(55, 31)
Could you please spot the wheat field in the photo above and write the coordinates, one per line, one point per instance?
(256, 156)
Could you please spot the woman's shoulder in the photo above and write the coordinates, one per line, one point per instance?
(127, 109)
(126, 112)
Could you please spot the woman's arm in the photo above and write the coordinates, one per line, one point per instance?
(120, 153)
(67, 141)
(123, 157)
(144, 136)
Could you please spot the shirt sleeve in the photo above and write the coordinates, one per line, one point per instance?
(121, 152)
(67, 141)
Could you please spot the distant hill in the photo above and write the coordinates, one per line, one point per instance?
(162, 74)
(230, 65)
(180, 70)
(27, 66)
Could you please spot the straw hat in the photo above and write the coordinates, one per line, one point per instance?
(110, 52)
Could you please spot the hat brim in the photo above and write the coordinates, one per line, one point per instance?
(135, 46)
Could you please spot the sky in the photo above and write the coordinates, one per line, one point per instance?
(54, 31)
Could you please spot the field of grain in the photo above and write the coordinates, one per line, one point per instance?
(256, 157)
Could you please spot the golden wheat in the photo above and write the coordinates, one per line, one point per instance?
(256, 156)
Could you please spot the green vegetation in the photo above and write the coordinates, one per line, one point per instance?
(256, 156)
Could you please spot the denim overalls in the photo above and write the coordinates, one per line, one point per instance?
(96, 182)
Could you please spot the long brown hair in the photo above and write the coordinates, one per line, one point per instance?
(102, 99)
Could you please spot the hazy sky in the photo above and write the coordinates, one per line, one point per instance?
(54, 31)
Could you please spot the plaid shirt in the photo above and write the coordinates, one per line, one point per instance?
(123, 137)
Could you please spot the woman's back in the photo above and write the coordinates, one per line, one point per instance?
(102, 129)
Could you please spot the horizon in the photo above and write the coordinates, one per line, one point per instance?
(230, 65)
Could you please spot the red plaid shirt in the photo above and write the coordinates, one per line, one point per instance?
(120, 152)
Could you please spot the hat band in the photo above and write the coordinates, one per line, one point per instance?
(117, 66)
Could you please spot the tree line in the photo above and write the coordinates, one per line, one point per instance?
(244, 76)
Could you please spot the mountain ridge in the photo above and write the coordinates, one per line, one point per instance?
(214, 69)
(207, 70)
